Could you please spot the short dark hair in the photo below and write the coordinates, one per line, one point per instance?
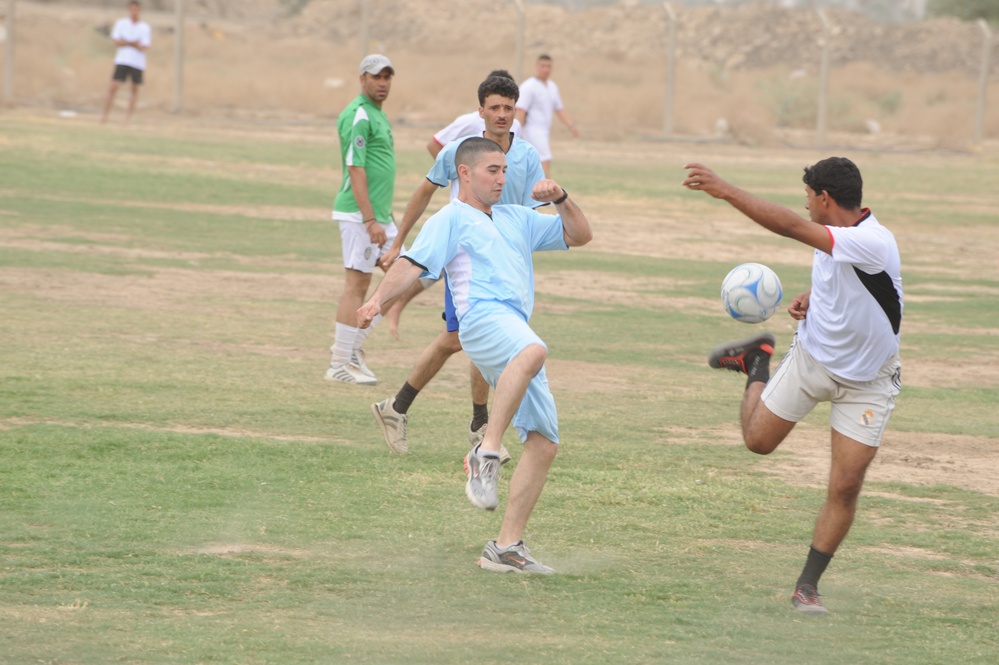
(498, 85)
(544, 56)
(838, 177)
(501, 72)
(471, 150)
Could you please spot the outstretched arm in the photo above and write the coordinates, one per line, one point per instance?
(417, 205)
(564, 117)
(400, 277)
(575, 227)
(771, 216)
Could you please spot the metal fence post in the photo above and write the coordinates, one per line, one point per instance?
(365, 22)
(518, 50)
(820, 128)
(670, 71)
(178, 57)
(983, 80)
(8, 61)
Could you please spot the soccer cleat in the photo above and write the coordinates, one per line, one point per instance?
(350, 373)
(483, 476)
(475, 437)
(806, 600)
(732, 355)
(513, 559)
(359, 360)
(393, 425)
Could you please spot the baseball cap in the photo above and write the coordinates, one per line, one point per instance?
(375, 63)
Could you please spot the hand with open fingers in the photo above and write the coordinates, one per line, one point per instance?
(547, 191)
(367, 312)
(701, 178)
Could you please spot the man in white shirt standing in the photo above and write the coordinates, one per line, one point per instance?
(539, 100)
(132, 37)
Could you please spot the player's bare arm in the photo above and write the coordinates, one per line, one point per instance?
(399, 278)
(359, 186)
(771, 216)
(799, 306)
(417, 205)
(434, 148)
(567, 121)
(575, 226)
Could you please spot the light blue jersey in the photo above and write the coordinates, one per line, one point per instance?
(523, 171)
(487, 259)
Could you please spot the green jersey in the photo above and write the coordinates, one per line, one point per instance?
(366, 141)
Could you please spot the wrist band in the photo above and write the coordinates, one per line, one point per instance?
(561, 199)
(373, 219)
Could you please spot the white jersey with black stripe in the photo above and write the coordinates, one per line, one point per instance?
(855, 310)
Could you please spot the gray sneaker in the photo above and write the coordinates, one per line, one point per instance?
(475, 437)
(393, 425)
(806, 600)
(483, 476)
(514, 559)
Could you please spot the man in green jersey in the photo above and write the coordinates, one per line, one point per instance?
(363, 209)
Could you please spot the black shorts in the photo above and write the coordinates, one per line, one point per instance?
(124, 72)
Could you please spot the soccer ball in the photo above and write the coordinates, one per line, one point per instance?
(751, 293)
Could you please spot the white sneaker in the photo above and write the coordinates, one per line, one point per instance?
(475, 437)
(349, 373)
(359, 359)
(393, 425)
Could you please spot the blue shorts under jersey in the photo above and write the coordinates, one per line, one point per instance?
(492, 335)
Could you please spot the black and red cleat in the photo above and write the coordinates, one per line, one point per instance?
(732, 355)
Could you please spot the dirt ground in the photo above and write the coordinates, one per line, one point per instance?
(910, 86)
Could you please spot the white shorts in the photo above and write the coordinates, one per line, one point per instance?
(539, 138)
(860, 409)
(492, 335)
(359, 253)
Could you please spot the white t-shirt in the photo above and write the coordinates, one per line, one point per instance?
(140, 32)
(855, 310)
(467, 124)
(540, 99)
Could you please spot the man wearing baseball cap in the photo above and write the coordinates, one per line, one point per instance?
(363, 209)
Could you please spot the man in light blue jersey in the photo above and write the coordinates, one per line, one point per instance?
(497, 99)
(484, 249)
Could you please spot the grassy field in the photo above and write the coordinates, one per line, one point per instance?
(179, 485)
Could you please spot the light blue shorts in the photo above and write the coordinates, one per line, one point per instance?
(492, 335)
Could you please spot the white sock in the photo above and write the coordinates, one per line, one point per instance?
(362, 333)
(343, 344)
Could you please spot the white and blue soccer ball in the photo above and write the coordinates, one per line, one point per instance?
(751, 293)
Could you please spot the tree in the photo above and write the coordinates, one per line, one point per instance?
(968, 10)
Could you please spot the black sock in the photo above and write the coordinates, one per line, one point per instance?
(480, 415)
(757, 366)
(404, 398)
(815, 565)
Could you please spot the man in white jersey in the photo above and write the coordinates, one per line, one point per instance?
(539, 100)
(132, 37)
(845, 351)
(497, 97)
(485, 250)
(467, 124)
